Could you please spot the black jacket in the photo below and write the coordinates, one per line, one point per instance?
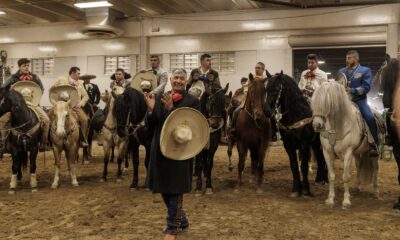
(165, 175)
(93, 92)
(15, 78)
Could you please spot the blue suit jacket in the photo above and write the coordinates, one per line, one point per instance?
(359, 80)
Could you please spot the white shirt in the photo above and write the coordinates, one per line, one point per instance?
(320, 77)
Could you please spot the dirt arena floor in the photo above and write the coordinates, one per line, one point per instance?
(110, 210)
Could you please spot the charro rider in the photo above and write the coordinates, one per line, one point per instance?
(23, 74)
(120, 78)
(207, 74)
(92, 91)
(359, 82)
(73, 80)
(162, 75)
(311, 78)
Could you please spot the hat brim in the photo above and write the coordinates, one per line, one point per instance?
(36, 90)
(141, 76)
(200, 134)
(87, 77)
(55, 91)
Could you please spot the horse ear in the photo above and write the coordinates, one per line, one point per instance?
(230, 94)
(281, 72)
(226, 88)
(251, 77)
(268, 74)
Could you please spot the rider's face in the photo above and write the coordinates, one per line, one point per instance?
(312, 64)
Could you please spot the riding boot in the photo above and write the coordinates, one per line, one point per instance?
(373, 150)
(84, 142)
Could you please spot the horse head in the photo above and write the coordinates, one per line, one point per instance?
(61, 112)
(256, 96)
(215, 110)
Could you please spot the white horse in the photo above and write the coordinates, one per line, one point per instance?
(343, 135)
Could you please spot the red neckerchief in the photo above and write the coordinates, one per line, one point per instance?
(310, 75)
(26, 77)
(176, 97)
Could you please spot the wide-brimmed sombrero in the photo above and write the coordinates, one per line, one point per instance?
(64, 93)
(184, 134)
(144, 81)
(29, 90)
(87, 77)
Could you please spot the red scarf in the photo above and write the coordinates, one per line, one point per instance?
(26, 77)
(310, 75)
(176, 97)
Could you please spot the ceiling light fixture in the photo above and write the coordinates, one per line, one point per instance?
(2, 12)
(93, 4)
(321, 62)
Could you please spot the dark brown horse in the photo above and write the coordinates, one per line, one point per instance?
(253, 131)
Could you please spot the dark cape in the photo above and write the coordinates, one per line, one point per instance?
(165, 175)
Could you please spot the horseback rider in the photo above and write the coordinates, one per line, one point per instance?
(312, 78)
(259, 71)
(120, 78)
(197, 88)
(92, 90)
(207, 74)
(73, 80)
(23, 74)
(359, 84)
(240, 92)
(162, 75)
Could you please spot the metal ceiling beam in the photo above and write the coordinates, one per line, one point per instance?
(128, 9)
(29, 9)
(60, 8)
(320, 5)
(21, 17)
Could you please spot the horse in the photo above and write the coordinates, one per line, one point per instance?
(64, 135)
(253, 131)
(233, 104)
(130, 109)
(343, 135)
(111, 138)
(388, 80)
(90, 112)
(213, 108)
(293, 114)
(24, 138)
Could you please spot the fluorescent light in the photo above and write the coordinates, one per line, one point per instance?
(321, 62)
(47, 49)
(6, 40)
(328, 73)
(93, 4)
(2, 13)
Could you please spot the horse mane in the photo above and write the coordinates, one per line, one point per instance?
(331, 100)
(18, 100)
(389, 78)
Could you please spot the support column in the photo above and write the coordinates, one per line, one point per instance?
(144, 48)
(392, 42)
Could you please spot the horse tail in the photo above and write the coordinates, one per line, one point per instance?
(24, 160)
(367, 169)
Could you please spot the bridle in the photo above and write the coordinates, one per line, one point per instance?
(219, 118)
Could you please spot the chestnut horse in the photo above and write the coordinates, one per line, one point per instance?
(253, 131)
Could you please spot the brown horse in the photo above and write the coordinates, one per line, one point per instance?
(253, 131)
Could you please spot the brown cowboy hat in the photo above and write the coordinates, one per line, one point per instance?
(64, 93)
(87, 77)
(29, 90)
(144, 80)
(184, 134)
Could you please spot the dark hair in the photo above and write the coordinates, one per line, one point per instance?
(312, 56)
(73, 70)
(353, 52)
(244, 79)
(262, 64)
(155, 56)
(205, 55)
(120, 70)
(194, 71)
(23, 61)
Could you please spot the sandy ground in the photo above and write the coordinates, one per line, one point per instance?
(110, 210)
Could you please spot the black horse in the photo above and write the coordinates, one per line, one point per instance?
(129, 110)
(213, 108)
(294, 117)
(24, 136)
(388, 77)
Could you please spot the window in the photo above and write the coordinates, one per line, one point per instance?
(111, 63)
(42, 66)
(223, 61)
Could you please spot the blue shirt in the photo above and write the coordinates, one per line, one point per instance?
(359, 81)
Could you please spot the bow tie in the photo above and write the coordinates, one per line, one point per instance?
(26, 77)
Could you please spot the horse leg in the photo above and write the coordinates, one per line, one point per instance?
(57, 158)
(106, 148)
(242, 151)
(126, 161)
(322, 172)
(396, 153)
(294, 166)
(32, 168)
(346, 178)
(112, 154)
(330, 158)
(135, 163)
(90, 140)
(121, 157)
(260, 167)
(199, 167)
(71, 157)
(210, 163)
(305, 152)
(85, 154)
(229, 152)
(15, 168)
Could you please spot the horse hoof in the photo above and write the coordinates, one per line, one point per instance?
(397, 206)
(133, 189)
(86, 162)
(346, 206)
(126, 170)
(294, 195)
(198, 193)
(75, 184)
(34, 190)
(103, 180)
(54, 186)
(259, 191)
(11, 191)
(237, 191)
(119, 180)
(230, 169)
(209, 191)
(329, 203)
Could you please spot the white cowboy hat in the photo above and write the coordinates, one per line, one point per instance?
(144, 80)
(66, 93)
(184, 134)
(30, 91)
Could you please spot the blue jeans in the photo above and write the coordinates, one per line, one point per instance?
(369, 118)
(176, 216)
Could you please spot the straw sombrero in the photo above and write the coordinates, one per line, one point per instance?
(64, 93)
(144, 81)
(30, 91)
(87, 77)
(184, 134)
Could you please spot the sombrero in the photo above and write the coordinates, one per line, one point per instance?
(184, 134)
(341, 79)
(87, 77)
(144, 81)
(29, 90)
(64, 93)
